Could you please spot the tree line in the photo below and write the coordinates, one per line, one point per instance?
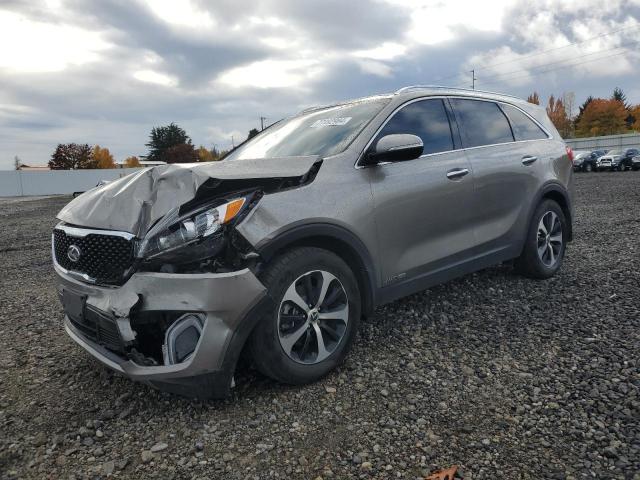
(595, 117)
(169, 144)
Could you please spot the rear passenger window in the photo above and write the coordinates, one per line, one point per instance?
(428, 120)
(523, 127)
(481, 123)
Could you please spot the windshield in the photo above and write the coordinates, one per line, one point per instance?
(320, 132)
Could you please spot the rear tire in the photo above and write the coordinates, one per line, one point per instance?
(545, 244)
(314, 318)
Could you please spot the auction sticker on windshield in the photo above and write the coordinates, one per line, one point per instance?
(330, 122)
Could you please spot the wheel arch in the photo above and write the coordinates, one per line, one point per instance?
(337, 240)
(559, 194)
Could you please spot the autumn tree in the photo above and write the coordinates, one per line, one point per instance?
(204, 155)
(635, 113)
(103, 158)
(132, 162)
(180, 153)
(602, 117)
(558, 115)
(581, 109)
(71, 156)
(162, 139)
(534, 98)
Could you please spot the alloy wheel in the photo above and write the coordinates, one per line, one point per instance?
(313, 317)
(549, 239)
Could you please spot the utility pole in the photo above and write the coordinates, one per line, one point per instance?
(233, 145)
(262, 119)
(473, 79)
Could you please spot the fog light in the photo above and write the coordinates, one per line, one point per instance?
(181, 338)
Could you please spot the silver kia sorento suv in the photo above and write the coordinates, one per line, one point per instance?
(168, 274)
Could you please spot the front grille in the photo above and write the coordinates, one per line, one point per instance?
(105, 258)
(99, 328)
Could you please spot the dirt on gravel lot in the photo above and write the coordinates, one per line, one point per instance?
(505, 376)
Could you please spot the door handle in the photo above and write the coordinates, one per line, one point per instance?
(528, 159)
(457, 173)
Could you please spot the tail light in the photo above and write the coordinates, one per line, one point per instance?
(570, 154)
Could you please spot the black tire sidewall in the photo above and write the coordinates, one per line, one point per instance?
(266, 350)
(529, 262)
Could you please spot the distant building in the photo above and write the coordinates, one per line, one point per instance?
(143, 163)
(33, 168)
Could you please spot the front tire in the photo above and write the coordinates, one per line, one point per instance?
(545, 243)
(588, 168)
(314, 318)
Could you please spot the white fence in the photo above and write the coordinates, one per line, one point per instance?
(606, 142)
(17, 183)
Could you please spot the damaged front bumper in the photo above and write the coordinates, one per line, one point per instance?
(103, 321)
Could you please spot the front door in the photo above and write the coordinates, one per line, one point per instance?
(424, 208)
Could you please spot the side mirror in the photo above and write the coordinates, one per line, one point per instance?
(397, 147)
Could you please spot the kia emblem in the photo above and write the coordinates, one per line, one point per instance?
(73, 252)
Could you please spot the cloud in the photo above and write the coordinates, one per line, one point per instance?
(106, 72)
(562, 42)
(271, 74)
(32, 46)
(158, 78)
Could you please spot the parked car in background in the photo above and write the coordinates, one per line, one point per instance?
(635, 163)
(585, 161)
(579, 157)
(167, 274)
(99, 184)
(618, 159)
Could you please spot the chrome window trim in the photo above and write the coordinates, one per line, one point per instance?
(357, 165)
(83, 232)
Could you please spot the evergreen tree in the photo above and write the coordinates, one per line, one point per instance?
(164, 138)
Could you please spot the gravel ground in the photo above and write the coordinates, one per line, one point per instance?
(504, 376)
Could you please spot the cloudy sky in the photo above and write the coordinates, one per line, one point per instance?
(106, 71)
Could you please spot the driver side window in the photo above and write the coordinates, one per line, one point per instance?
(428, 120)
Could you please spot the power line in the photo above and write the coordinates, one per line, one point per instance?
(559, 68)
(563, 61)
(560, 48)
(539, 53)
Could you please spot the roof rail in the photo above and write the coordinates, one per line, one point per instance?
(337, 104)
(444, 87)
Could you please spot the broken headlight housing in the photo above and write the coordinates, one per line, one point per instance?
(200, 227)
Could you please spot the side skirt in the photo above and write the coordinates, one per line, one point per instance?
(444, 274)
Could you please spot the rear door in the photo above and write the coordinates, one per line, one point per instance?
(505, 148)
(423, 207)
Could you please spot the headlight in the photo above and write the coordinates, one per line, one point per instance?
(175, 231)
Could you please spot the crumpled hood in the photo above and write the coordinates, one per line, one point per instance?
(135, 202)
